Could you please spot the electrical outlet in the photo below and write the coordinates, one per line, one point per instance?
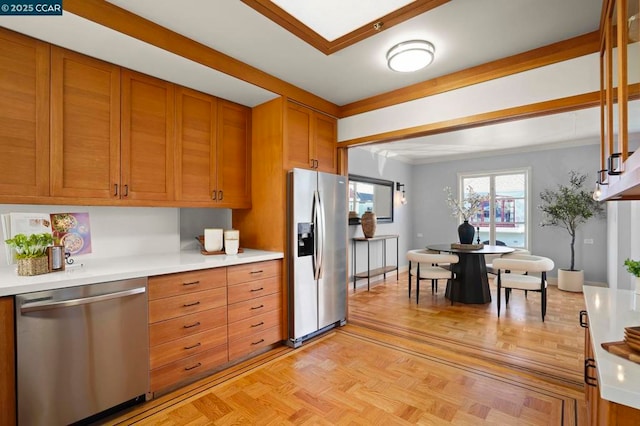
(588, 240)
(419, 235)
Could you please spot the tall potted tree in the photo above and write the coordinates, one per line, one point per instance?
(568, 207)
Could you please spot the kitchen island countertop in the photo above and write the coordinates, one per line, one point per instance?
(119, 268)
(610, 311)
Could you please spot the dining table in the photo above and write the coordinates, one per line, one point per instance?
(470, 271)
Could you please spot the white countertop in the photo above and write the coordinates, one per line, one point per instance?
(120, 268)
(610, 311)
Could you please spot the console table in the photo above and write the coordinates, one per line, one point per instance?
(377, 271)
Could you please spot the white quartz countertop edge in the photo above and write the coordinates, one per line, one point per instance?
(121, 268)
(610, 311)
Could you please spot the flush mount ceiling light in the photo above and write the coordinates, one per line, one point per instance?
(410, 56)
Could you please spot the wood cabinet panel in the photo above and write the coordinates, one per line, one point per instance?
(245, 346)
(186, 282)
(85, 126)
(257, 306)
(7, 363)
(298, 151)
(147, 150)
(252, 289)
(187, 346)
(24, 116)
(234, 155)
(172, 307)
(167, 330)
(255, 324)
(253, 271)
(326, 135)
(188, 368)
(196, 121)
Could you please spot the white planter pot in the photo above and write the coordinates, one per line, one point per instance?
(570, 280)
(637, 286)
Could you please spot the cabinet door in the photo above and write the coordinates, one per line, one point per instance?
(325, 138)
(7, 363)
(234, 155)
(147, 150)
(196, 117)
(85, 126)
(298, 151)
(24, 116)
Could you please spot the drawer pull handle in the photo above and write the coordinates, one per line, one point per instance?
(584, 319)
(191, 368)
(191, 283)
(590, 380)
(258, 342)
(192, 325)
(192, 346)
(257, 289)
(257, 307)
(256, 272)
(258, 324)
(186, 305)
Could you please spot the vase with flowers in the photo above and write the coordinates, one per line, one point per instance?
(466, 208)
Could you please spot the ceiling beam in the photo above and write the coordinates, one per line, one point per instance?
(571, 103)
(546, 55)
(125, 22)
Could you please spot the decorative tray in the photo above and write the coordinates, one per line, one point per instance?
(467, 246)
(200, 238)
(623, 350)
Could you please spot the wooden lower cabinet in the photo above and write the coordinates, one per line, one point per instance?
(187, 326)
(199, 321)
(601, 412)
(255, 307)
(7, 363)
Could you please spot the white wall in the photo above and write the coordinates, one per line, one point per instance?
(623, 222)
(125, 231)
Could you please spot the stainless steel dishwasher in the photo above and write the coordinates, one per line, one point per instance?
(81, 350)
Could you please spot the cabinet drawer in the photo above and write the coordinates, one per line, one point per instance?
(165, 331)
(257, 306)
(255, 324)
(186, 282)
(253, 289)
(186, 368)
(253, 271)
(187, 346)
(173, 307)
(254, 342)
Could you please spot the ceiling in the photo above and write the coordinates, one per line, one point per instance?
(466, 33)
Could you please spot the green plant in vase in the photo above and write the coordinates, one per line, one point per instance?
(633, 267)
(31, 252)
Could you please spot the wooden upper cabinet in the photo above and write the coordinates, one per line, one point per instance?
(234, 155)
(310, 139)
(24, 116)
(147, 140)
(196, 120)
(85, 126)
(326, 135)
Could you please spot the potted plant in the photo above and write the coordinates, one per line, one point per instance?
(31, 252)
(467, 209)
(568, 207)
(633, 267)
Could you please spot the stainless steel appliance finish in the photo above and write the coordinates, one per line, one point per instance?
(317, 222)
(81, 350)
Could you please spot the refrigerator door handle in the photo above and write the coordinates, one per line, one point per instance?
(322, 236)
(316, 237)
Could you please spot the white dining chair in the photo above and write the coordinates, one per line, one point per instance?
(426, 265)
(490, 258)
(517, 280)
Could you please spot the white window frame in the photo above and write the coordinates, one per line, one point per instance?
(492, 174)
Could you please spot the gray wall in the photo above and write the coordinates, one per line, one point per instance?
(428, 215)
(362, 162)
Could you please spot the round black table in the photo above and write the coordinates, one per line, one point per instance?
(471, 272)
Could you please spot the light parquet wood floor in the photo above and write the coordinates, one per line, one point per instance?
(398, 363)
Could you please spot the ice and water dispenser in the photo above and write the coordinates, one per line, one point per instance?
(305, 239)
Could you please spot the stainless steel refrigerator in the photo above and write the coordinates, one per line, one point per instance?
(317, 242)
